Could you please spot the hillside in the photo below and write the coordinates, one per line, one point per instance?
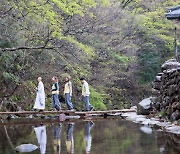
(117, 45)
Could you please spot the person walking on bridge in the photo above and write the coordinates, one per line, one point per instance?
(55, 94)
(85, 94)
(40, 96)
(68, 93)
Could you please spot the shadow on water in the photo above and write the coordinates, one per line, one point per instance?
(107, 136)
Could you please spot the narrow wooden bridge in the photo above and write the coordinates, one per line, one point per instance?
(81, 114)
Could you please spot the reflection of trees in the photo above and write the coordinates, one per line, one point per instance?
(121, 137)
(168, 142)
(113, 138)
(18, 135)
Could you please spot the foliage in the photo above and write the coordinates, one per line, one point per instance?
(121, 58)
(156, 37)
(149, 62)
(97, 100)
(115, 45)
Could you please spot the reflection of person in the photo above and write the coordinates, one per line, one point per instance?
(68, 93)
(85, 94)
(41, 137)
(55, 94)
(40, 96)
(88, 137)
(57, 135)
(70, 139)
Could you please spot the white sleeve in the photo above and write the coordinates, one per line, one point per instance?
(40, 87)
(86, 87)
(70, 88)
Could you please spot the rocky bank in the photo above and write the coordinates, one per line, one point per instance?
(166, 89)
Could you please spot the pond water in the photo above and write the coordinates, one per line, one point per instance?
(102, 136)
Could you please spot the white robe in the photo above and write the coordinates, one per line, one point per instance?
(41, 137)
(88, 140)
(40, 97)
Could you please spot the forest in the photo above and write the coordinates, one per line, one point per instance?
(117, 45)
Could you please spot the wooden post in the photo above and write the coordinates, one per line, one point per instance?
(105, 115)
(175, 44)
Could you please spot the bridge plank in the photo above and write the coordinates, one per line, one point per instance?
(66, 112)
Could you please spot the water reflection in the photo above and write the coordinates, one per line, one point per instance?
(88, 137)
(70, 138)
(41, 137)
(83, 137)
(56, 130)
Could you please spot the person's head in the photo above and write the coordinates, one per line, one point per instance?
(39, 79)
(82, 80)
(67, 79)
(54, 79)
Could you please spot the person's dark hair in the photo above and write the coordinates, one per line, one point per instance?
(82, 78)
(56, 78)
(68, 78)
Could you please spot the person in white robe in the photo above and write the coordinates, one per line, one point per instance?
(40, 96)
(41, 137)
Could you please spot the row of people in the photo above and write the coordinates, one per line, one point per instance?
(56, 105)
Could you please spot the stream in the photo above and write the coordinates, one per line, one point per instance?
(97, 136)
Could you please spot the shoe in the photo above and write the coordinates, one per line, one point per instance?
(58, 109)
(91, 108)
(91, 124)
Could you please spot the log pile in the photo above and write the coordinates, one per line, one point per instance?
(166, 88)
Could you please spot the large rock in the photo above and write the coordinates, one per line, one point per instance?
(158, 78)
(26, 148)
(175, 115)
(157, 85)
(170, 64)
(145, 106)
(146, 129)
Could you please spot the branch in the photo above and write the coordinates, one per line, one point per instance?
(125, 3)
(29, 48)
(8, 137)
(6, 13)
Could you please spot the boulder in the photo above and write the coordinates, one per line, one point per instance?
(26, 148)
(158, 78)
(157, 85)
(146, 129)
(155, 92)
(175, 115)
(173, 129)
(11, 116)
(170, 64)
(157, 106)
(145, 106)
